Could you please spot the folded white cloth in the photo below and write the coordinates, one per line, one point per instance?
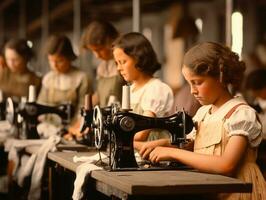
(14, 146)
(46, 129)
(82, 172)
(6, 131)
(26, 169)
(85, 170)
(38, 168)
(90, 159)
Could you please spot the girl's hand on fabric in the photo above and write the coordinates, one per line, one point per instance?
(161, 154)
(68, 137)
(73, 132)
(148, 147)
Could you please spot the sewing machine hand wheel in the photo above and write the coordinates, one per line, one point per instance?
(97, 124)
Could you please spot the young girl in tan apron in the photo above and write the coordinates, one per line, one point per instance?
(228, 132)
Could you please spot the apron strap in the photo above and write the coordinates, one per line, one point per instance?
(227, 116)
(232, 110)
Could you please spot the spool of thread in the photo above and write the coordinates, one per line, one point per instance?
(23, 99)
(32, 94)
(126, 97)
(88, 102)
(111, 100)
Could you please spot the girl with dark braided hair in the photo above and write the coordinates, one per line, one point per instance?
(228, 132)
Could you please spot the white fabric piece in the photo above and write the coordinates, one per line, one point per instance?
(14, 146)
(138, 157)
(38, 168)
(45, 129)
(26, 170)
(90, 159)
(82, 172)
(5, 132)
(86, 168)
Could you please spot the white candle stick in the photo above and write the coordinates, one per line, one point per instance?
(32, 94)
(126, 97)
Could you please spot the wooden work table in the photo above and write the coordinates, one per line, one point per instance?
(148, 184)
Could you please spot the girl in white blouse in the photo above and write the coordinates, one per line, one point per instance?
(137, 62)
(228, 132)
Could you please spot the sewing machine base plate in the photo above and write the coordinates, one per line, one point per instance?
(146, 166)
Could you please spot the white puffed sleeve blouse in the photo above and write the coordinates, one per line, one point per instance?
(154, 96)
(243, 120)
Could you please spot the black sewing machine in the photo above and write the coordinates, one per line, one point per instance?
(85, 126)
(2, 106)
(25, 116)
(121, 125)
(2, 110)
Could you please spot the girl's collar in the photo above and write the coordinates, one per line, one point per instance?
(142, 85)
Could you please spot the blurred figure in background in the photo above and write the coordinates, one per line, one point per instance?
(185, 100)
(261, 54)
(256, 84)
(98, 38)
(64, 83)
(180, 33)
(16, 78)
(2, 60)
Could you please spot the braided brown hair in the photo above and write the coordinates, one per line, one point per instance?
(216, 60)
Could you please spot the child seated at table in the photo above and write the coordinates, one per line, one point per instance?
(228, 132)
(137, 62)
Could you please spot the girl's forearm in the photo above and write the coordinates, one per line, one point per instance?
(205, 163)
